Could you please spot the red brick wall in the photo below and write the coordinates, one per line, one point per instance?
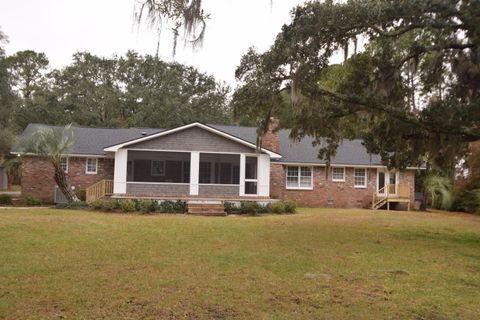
(37, 175)
(327, 193)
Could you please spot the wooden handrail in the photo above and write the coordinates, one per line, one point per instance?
(99, 190)
(399, 191)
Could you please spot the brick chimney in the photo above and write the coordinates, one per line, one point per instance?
(271, 139)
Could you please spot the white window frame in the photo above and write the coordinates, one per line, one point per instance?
(162, 166)
(86, 166)
(299, 176)
(360, 186)
(333, 176)
(66, 164)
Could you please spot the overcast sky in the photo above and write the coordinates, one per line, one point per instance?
(105, 27)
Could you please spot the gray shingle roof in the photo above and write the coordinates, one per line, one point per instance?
(92, 141)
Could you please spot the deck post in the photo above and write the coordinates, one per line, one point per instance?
(120, 172)
(242, 174)
(388, 205)
(194, 172)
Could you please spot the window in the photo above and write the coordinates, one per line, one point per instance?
(64, 164)
(91, 167)
(129, 168)
(360, 178)
(204, 172)
(158, 168)
(299, 178)
(338, 174)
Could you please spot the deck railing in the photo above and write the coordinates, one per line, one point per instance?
(391, 191)
(99, 190)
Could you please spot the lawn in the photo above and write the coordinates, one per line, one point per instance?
(320, 263)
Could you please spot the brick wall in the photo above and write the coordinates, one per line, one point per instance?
(327, 193)
(37, 175)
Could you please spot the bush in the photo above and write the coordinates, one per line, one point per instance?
(146, 206)
(127, 205)
(32, 201)
(71, 205)
(104, 205)
(467, 201)
(282, 207)
(290, 206)
(230, 208)
(172, 206)
(276, 207)
(249, 207)
(5, 199)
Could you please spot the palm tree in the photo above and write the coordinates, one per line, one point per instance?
(439, 189)
(53, 144)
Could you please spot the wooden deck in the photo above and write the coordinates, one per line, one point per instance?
(392, 193)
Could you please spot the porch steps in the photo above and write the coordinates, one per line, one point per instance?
(206, 208)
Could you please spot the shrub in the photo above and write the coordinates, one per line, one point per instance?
(230, 208)
(276, 207)
(290, 206)
(146, 206)
(172, 206)
(71, 205)
(104, 205)
(467, 201)
(5, 199)
(282, 207)
(127, 205)
(250, 207)
(32, 201)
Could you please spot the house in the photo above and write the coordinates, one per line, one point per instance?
(217, 162)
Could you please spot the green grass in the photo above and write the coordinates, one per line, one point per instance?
(320, 263)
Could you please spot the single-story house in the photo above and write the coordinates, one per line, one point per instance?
(217, 162)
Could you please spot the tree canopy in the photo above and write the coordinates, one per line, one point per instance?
(411, 91)
(125, 91)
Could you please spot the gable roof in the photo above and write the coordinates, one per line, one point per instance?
(225, 135)
(93, 141)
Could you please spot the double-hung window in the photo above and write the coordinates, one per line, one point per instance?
(91, 166)
(360, 177)
(299, 177)
(338, 174)
(158, 168)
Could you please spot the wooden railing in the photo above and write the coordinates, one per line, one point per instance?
(390, 191)
(99, 190)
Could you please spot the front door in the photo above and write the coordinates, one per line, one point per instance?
(388, 179)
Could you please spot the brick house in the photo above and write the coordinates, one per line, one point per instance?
(198, 161)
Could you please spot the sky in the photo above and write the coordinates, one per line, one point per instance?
(60, 28)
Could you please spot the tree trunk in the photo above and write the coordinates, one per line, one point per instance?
(64, 186)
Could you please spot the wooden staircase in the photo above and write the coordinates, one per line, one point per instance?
(99, 190)
(206, 208)
(391, 193)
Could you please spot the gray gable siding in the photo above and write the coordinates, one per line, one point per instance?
(193, 139)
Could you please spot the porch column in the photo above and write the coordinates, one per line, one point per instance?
(263, 175)
(194, 172)
(242, 174)
(120, 172)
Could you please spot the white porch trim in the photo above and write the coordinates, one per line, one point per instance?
(194, 172)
